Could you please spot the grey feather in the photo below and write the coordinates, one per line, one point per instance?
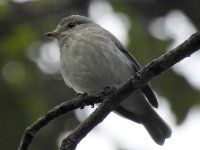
(91, 58)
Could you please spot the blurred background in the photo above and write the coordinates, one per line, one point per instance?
(31, 83)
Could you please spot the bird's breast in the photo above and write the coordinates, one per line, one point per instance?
(90, 65)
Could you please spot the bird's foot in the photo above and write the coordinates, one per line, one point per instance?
(82, 96)
(107, 90)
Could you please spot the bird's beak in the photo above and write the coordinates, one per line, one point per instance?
(53, 34)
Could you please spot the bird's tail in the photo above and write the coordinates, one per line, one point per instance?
(156, 127)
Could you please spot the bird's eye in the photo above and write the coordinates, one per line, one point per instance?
(71, 25)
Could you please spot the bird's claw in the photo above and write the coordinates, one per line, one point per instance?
(82, 96)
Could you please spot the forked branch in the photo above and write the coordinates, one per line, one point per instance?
(110, 98)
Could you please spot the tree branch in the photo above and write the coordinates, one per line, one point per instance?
(111, 97)
(57, 111)
(143, 76)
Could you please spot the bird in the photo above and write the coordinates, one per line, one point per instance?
(92, 58)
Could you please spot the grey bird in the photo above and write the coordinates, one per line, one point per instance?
(91, 58)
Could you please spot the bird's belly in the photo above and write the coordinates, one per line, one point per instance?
(85, 75)
(91, 70)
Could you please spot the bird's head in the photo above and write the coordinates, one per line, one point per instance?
(68, 25)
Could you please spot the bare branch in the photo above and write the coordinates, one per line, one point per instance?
(111, 97)
(143, 76)
(57, 111)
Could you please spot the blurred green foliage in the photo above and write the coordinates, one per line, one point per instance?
(27, 93)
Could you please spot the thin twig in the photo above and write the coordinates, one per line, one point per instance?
(57, 111)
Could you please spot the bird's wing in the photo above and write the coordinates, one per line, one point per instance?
(148, 92)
